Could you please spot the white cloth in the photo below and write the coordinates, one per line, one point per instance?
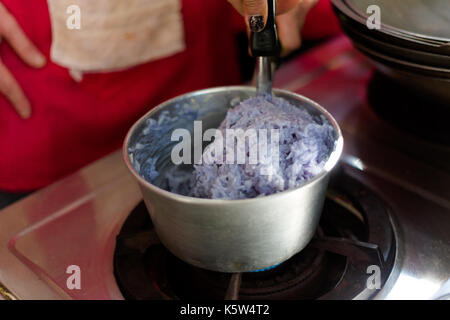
(115, 34)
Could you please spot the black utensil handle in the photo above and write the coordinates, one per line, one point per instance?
(265, 43)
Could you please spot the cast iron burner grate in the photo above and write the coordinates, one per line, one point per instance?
(355, 232)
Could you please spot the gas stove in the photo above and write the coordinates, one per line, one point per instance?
(355, 232)
(384, 231)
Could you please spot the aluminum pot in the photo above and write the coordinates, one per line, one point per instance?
(232, 235)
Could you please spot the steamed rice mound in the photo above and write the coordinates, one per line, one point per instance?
(305, 144)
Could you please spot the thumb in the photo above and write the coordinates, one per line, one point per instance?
(255, 14)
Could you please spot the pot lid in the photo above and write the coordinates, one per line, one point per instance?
(424, 19)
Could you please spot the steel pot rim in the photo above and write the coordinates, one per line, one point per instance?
(329, 165)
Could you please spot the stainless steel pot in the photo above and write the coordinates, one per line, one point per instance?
(232, 235)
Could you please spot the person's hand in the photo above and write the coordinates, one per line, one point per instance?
(290, 19)
(11, 32)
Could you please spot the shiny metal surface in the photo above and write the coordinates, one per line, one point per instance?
(423, 19)
(264, 76)
(391, 34)
(420, 70)
(72, 222)
(5, 294)
(416, 77)
(410, 174)
(234, 235)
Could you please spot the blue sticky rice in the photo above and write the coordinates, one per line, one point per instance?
(305, 143)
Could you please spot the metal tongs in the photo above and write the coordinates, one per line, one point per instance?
(264, 45)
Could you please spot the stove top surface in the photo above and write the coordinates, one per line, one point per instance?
(77, 221)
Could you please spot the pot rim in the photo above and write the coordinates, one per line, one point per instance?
(329, 165)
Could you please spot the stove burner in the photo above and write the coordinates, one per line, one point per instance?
(301, 276)
(266, 269)
(333, 265)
